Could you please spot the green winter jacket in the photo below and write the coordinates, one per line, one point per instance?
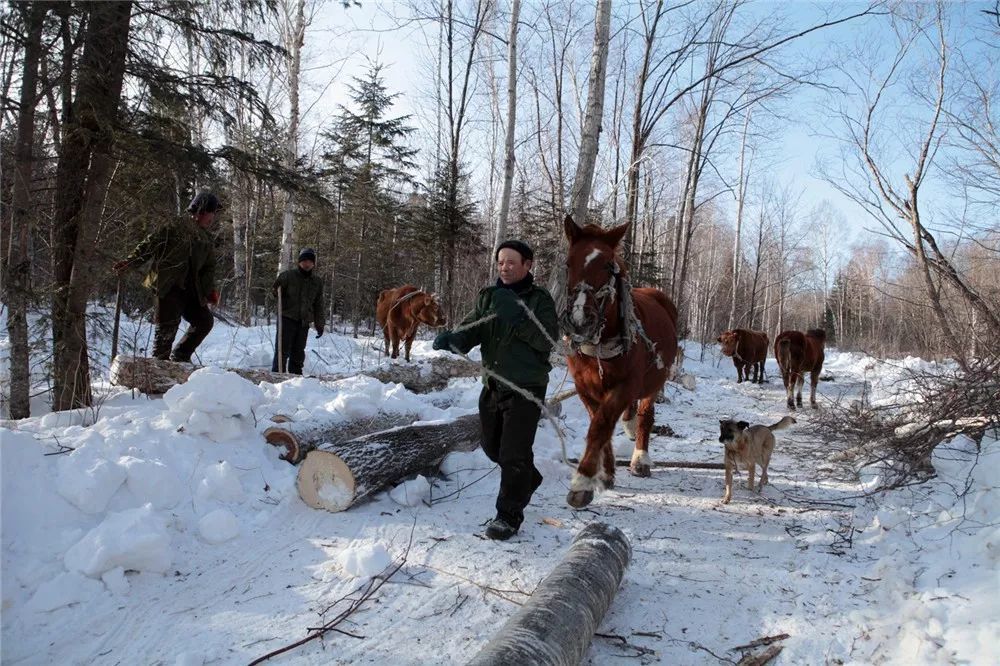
(301, 296)
(519, 353)
(174, 250)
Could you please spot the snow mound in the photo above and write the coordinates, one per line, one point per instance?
(222, 483)
(219, 526)
(412, 492)
(364, 559)
(63, 590)
(152, 482)
(133, 539)
(214, 403)
(87, 480)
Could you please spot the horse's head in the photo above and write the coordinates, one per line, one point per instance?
(427, 308)
(593, 276)
(729, 340)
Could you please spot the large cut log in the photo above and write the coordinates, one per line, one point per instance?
(299, 438)
(336, 475)
(154, 377)
(555, 626)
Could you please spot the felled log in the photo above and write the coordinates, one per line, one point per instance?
(672, 464)
(334, 476)
(154, 377)
(301, 437)
(555, 626)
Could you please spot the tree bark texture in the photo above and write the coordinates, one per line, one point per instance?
(154, 376)
(508, 167)
(556, 625)
(334, 476)
(82, 177)
(17, 281)
(299, 438)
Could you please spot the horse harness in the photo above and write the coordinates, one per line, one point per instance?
(616, 288)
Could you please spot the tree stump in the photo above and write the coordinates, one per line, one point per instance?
(555, 626)
(336, 475)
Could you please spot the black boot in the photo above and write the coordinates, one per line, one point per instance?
(500, 529)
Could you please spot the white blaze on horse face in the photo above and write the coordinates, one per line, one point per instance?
(578, 312)
(594, 254)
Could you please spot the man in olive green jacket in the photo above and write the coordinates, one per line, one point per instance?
(181, 277)
(515, 348)
(301, 305)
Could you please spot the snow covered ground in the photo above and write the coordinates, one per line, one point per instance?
(166, 531)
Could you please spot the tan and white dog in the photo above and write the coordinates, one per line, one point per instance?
(748, 446)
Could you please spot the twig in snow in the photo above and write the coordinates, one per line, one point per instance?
(434, 500)
(367, 590)
(766, 640)
(761, 658)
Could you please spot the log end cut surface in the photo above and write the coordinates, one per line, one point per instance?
(325, 482)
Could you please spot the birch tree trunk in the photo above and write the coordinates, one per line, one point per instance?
(294, 40)
(741, 194)
(17, 281)
(590, 139)
(508, 168)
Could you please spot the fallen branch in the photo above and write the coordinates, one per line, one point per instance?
(766, 640)
(673, 464)
(761, 658)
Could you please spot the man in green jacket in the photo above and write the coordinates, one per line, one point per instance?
(181, 277)
(513, 347)
(301, 305)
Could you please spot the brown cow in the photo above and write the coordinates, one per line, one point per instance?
(748, 349)
(401, 310)
(797, 354)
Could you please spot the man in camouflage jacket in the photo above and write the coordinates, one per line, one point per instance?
(301, 305)
(181, 276)
(514, 347)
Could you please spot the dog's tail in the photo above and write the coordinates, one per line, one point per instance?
(782, 424)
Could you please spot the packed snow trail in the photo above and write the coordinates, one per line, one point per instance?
(174, 535)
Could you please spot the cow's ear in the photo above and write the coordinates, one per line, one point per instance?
(743, 425)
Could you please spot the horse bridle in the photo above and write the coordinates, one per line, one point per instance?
(610, 290)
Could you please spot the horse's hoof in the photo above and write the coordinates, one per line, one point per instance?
(579, 498)
(641, 470)
(609, 484)
(814, 405)
(791, 405)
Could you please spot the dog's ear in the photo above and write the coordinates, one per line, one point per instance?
(743, 425)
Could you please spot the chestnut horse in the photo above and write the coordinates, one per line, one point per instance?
(797, 354)
(748, 350)
(624, 342)
(400, 311)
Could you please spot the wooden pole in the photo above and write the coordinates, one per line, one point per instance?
(555, 626)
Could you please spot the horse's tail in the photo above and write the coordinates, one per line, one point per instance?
(784, 354)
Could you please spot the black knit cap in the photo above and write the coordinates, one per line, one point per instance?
(519, 246)
(307, 253)
(204, 202)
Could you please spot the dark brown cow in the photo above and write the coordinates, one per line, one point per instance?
(748, 349)
(401, 310)
(797, 354)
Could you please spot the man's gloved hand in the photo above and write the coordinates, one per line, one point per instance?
(507, 307)
(120, 267)
(319, 330)
(443, 341)
(213, 297)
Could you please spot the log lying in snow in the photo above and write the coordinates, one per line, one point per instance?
(336, 475)
(299, 438)
(673, 464)
(154, 377)
(556, 624)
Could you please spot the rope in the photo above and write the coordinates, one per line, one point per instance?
(509, 384)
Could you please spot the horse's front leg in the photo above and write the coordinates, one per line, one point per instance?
(591, 474)
(641, 465)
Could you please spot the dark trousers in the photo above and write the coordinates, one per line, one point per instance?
(509, 422)
(293, 345)
(170, 309)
